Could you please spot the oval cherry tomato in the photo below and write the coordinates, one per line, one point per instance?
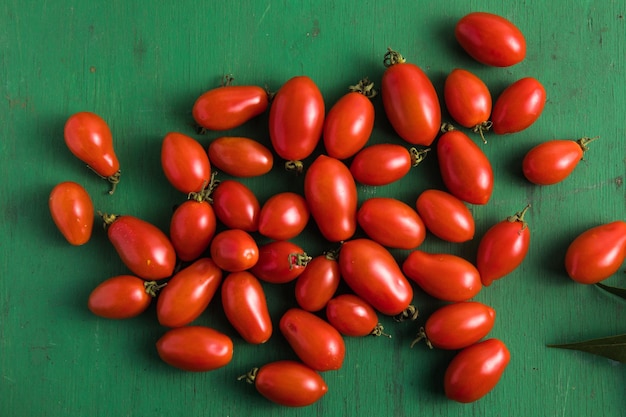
(353, 316)
(195, 348)
(121, 297)
(89, 138)
(296, 118)
(240, 156)
(283, 216)
(236, 206)
(443, 276)
(445, 216)
(245, 307)
(185, 163)
(391, 223)
(142, 246)
(349, 123)
(476, 370)
(192, 227)
(465, 169)
(384, 163)
(331, 194)
(519, 106)
(597, 253)
(188, 293)
(491, 39)
(234, 250)
(468, 100)
(229, 106)
(71, 209)
(410, 101)
(280, 261)
(503, 248)
(374, 275)
(318, 282)
(317, 343)
(553, 161)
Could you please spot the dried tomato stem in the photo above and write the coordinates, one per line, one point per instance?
(519, 217)
(365, 87)
(392, 58)
(294, 166)
(298, 259)
(481, 128)
(421, 335)
(107, 219)
(250, 376)
(584, 141)
(417, 155)
(409, 313)
(447, 127)
(227, 80)
(379, 331)
(112, 179)
(152, 287)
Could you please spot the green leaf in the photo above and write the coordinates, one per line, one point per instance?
(620, 292)
(612, 347)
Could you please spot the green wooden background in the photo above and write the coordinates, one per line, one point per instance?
(141, 65)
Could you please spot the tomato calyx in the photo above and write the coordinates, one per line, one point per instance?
(447, 127)
(250, 376)
(421, 335)
(207, 190)
(584, 141)
(300, 259)
(107, 219)
(112, 179)
(294, 166)
(365, 87)
(379, 330)
(410, 313)
(152, 287)
(392, 58)
(481, 128)
(519, 217)
(417, 155)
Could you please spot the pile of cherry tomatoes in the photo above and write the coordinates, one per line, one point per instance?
(184, 269)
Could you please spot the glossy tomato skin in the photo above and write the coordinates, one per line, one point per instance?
(318, 283)
(373, 274)
(290, 383)
(240, 156)
(120, 297)
(445, 216)
(553, 161)
(192, 227)
(195, 348)
(597, 253)
(229, 106)
(476, 370)
(185, 163)
(236, 206)
(459, 325)
(467, 98)
(391, 222)
(491, 39)
(296, 118)
(331, 194)
(188, 293)
(381, 164)
(519, 106)
(283, 216)
(280, 261)
(465, 169)
(352, 316)
(72, 211)
(443, 276)
(234, 250)
(317, 343)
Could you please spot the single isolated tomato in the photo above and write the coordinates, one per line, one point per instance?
(280, 261)
(195, 348)
(445, 216)
(72, 211)
(234, 250)
(240, 156)
(468, 100)
(319, 281)
(185, 163)
(519, 106)
(283, 216)
(391, 222)
(122, 297)
(236, 206)
(353, 316)
(192, 226)
(384, 163)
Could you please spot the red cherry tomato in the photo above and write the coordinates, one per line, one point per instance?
(597, 253)
(236, 206)
(445, 216)
(240, 156)
(71, 209)
(192, 227)
(519, 106)
(318, 282)
(280, 261)
(553, 161)
(465, 169)
(410, 101)
(245, 307)
(121, 297)
(503, 248)
(143, 247)
(296, 119)
(317, 343)
(443, 276)
(283, 216)
(195, 348)
(234, 250)
(476, 370)
(468, 100)
(491, 39)
(353, 316)
(331, 194)
(391, 223)
(384, 163)
(349, 123)
(185, 163)
(229, 106)
(374, 275)
(188, 293)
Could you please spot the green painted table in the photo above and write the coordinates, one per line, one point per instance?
(141, 66)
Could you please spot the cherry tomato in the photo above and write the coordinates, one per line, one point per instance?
(283, 216)
(445, 216)
(185, 163)
(410, 101)
(195, 348)
(71, 209)
(597, 253)
(349, 123)
(229, 106)
(192, 227)
(374, 275)
(188, 293)
(443, 276)
(317, 343)
(280, 261)
(89, 138)
(519, 106)
(296, 119)
(468, 100)
(553, 161)
(465, 169)
(288, 383)
(391, 223)
(240, 156)
(245, 307)
(503, 248)
(318, 282)
(384, 163)
(142, 246)
(491, 39)
(476, 370)
(121, 297)
(353, 316)
(236, 206)
(331, 194)
(234, 250)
